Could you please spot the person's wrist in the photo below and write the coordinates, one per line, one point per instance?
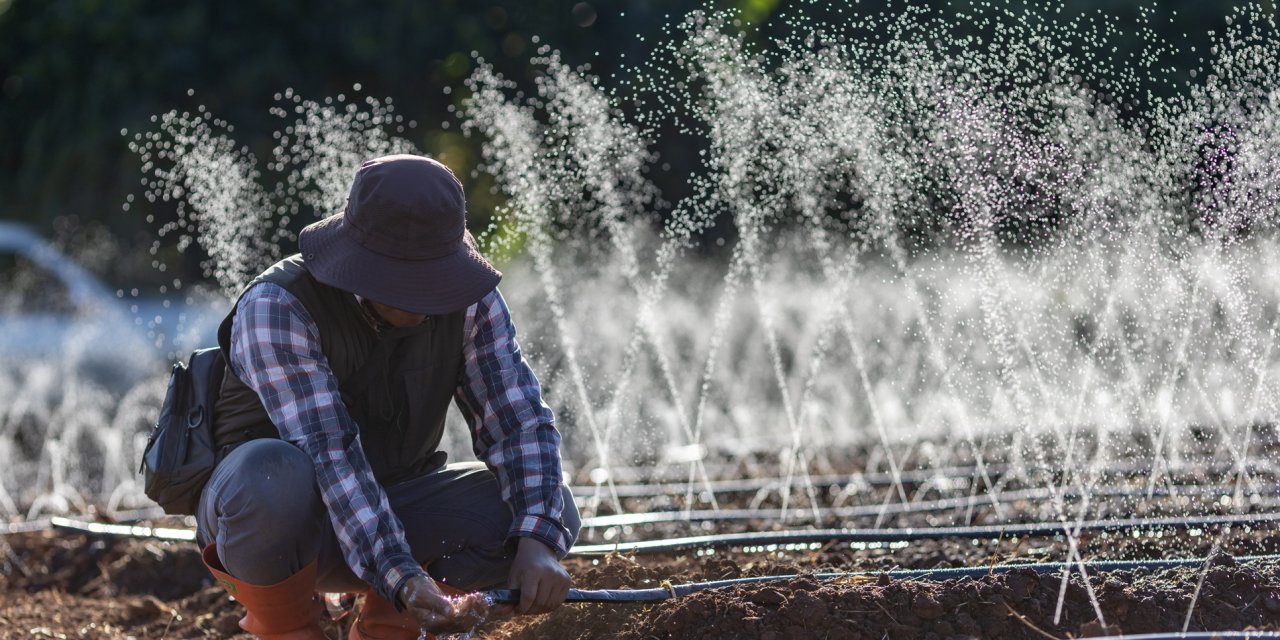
(529, 544)
(541, 529)
(399, 593)
(402, 587)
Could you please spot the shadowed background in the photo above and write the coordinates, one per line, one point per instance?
(74, 74)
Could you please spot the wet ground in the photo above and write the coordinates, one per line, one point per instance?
(1018, 604)
(55, 584)
(65, 584)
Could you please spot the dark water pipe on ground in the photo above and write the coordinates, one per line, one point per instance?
(666, 592)
(882, 479)
(770, 538)
(1196, 635)
(822, 536)
(876, 510)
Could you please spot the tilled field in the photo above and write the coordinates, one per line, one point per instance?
(58, 583)
(66, 585)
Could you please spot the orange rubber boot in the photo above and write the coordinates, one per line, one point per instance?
(287, 610)
(380, 620)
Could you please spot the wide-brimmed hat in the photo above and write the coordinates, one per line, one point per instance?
(402, 240)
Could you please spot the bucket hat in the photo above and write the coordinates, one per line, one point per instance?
(402, 240)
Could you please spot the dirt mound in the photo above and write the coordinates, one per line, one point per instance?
(56, 614)
(54, 585)
(1015, 605)
(101, 567)
(1012, 605)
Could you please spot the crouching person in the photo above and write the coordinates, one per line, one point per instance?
(343, 361)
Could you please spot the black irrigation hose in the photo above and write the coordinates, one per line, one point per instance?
(43, 524)
(1196, 635)
(818, 536)
(880, 478)
(124, 530)
(704, 515)
(756, 484)
(667, 592)
(740, 485)
(780, 538)
(893, 508)
(772, 538)
(757, 538)
(29, 526)
(677, 472)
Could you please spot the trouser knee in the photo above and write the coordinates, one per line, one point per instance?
(486, 559)
(263, 509)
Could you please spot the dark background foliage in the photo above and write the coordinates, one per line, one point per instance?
(75, 73)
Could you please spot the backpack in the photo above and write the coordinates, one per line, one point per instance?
(181, 454)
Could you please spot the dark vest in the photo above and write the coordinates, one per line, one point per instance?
(396, 383)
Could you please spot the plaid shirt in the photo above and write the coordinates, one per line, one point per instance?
(275, 349)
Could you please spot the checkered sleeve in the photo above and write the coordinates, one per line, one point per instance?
(275, 350)
(512, 429)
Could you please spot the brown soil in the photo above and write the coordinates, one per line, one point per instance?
(1019, 604)
(72, 586)
(59, 585)
(66, 585)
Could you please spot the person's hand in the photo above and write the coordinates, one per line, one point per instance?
(437, 612)
(537, 573)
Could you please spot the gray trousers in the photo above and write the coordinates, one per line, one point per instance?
(263, 509)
